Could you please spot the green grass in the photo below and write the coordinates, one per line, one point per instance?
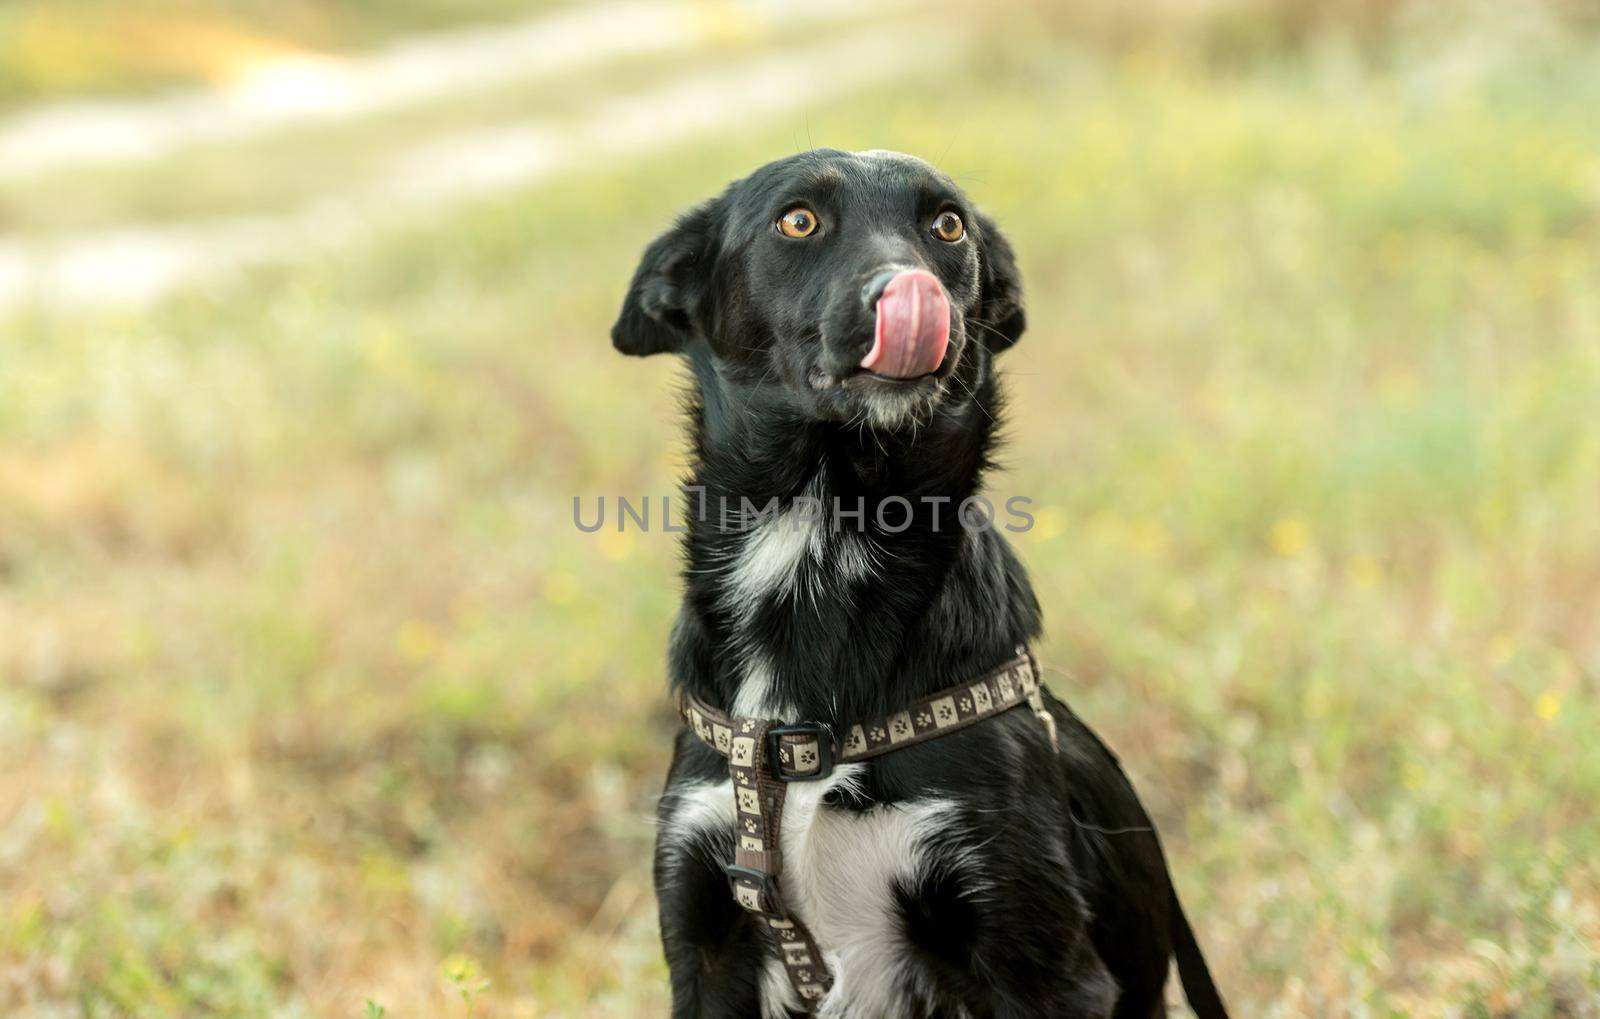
(313, 694)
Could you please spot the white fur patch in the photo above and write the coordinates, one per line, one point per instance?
(769, 559)
(767, 565)
(857, 557)
(840, 869)
(889, 409)
(754, 698)
(698, 809)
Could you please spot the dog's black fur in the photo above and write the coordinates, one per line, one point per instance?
(1077, 916)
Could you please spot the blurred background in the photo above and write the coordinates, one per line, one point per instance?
(313, 701)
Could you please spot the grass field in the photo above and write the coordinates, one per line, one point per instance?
(311, 694)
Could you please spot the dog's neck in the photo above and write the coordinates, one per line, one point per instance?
(799, 608)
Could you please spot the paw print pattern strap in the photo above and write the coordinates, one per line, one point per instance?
(1016, 682)
(758, 856)
(806, 751)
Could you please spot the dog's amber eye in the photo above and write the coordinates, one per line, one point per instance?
(798, 222)
(947, 226)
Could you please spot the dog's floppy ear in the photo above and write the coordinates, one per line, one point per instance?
(1000, 290)
(667, 299)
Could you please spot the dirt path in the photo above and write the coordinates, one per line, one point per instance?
(134, 265)
(310, 87)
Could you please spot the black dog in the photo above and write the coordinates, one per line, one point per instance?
(841, 313)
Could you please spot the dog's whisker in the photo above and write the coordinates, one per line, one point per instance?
(1143, 829)
(754, 389)
(975, 401)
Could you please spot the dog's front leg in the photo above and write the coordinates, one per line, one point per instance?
(711, 945)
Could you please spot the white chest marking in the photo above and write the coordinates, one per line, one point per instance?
(754, 698)
(839, 874)
(768, 565)
(698, 809)
(858, 557)
(769, 559)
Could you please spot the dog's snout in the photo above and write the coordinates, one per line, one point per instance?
(874, 287)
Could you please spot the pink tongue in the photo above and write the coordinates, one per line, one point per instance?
(913, 327)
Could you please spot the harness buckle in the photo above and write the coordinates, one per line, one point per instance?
(755, 890)
(802, 752)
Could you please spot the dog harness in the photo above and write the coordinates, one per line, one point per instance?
(764, 756)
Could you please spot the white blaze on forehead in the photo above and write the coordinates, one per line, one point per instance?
(891, 156)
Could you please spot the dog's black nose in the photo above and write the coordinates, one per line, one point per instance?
(874, 287)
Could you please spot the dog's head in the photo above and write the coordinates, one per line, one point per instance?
(846, 286)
